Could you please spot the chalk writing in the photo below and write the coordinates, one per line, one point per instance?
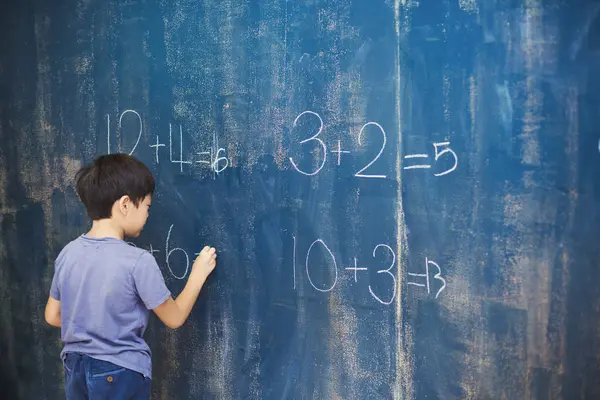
(214, 161)
(356, 269)
(334, 266)
(360, 173)
(152, 250)
(431, 280)
(339, 152)
(140, 123)
(217, 162)
(414, 161)
(438, 154)
(157, 146)
(425, 276)
(168, 256)
(315, 138)
(382, 295)
(440, 149)
(168, 253)
(417, 166)
(139, 119)
(386, 271)
(180, 161)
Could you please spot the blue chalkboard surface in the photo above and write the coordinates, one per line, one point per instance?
(404, 194)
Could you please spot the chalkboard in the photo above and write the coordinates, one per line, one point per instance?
(403, 194)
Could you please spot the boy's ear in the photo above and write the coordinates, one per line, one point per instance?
(124, 204)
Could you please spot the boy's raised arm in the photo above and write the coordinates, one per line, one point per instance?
(174, 312)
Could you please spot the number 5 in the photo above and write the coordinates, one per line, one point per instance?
(438, 154)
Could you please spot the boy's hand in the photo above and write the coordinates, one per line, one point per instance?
(174, 312)
(204, 263)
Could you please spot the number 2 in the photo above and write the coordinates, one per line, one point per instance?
(360, 173)
(120, 127)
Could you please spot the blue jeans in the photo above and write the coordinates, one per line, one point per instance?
(90, 379)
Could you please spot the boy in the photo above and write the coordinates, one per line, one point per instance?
(103, 288)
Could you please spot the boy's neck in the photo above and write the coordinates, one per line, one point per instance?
(105, 228)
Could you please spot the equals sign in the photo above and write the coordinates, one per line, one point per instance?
(417, 166)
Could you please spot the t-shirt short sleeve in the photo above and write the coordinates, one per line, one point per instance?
(56, 284)
(149, 282)
(54, 287)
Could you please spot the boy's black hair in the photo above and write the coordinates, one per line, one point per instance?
(109, 178)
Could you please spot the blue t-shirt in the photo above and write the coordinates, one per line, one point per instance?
(106, 288)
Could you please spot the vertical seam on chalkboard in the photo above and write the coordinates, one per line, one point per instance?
(403, 367)
(108, 132)
(399, 344)
(215, 147)
(285, 49)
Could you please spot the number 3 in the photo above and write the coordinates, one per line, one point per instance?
(386, 271)
(437, 276)
(315, 137)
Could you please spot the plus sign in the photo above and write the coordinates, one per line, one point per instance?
(152, 251)
(339, 151)
(355, 269)
(157, 145)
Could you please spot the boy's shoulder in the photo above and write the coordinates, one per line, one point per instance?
(115, 248)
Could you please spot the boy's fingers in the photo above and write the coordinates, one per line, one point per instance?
(210, 250)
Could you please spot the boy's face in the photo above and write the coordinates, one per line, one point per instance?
(136, 217)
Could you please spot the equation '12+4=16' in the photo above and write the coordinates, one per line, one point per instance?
(213, 157)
